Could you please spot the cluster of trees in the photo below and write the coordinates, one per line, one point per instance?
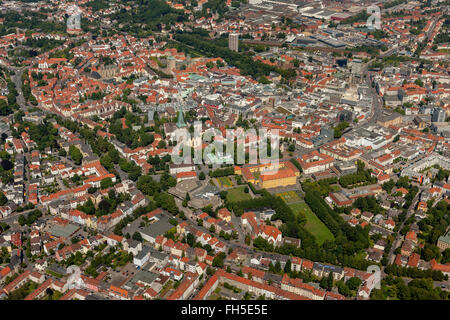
(388, 186)
(361, 176)
(222, 172)
(368, 204)
(44, 134)
(151, 187)
(6, 168)
(114, 258)
(110, 158)
(442, 174)
(12, 93)
(26, 89)
(432, 227)
(4, 255)
(3, 227)
(322, 187)
(133, 170)
(97, 5)
(330, 218)
(146, 16)
(30, 21)
(349, 288)
(106, 206)
(30, 218)
(75, 154)
(262, 244)
(296, 164)
(340, 128)
(167, 202)
(349, 240)
(417, 289)
(414, 273)
(362, 16)
(44, 44)
(3, 199)
(132, 138)
(159, 163)
(245, 63)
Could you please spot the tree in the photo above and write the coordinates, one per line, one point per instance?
(353, 283)
(74, 240)
(147, 185)
(62, 152)
(202, 176)
(343, 289)
(162, 144)
(419, 82)
(287, 267)
(190, 239)
(218, 260)
(3, 199)
(106, 183)
(137, 236)
(277, 267)
(247, 239)
(330, 281)
(75, 154)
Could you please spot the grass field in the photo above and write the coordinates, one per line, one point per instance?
(289, 196)
(313, 223)
(335, 188)
(225, 182)
(237, 194)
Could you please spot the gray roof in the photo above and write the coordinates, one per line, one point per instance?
(157, 228)
(145, 250)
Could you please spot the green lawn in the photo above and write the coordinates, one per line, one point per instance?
(313, 223)
(237, 194)
(335, 188)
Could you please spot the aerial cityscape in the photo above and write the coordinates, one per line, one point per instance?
(224, 150)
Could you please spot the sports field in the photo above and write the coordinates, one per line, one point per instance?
(313, 223)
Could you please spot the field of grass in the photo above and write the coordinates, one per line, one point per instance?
(289, 196)
(237, 194)
(335, 188)
(313, 223)
(225, 182)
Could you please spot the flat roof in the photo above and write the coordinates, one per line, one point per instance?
(63, 231)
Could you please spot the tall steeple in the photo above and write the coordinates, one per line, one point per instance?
(180, 121)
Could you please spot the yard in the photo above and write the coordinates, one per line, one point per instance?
(313, 223)
(237, 194)
(225, 182)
